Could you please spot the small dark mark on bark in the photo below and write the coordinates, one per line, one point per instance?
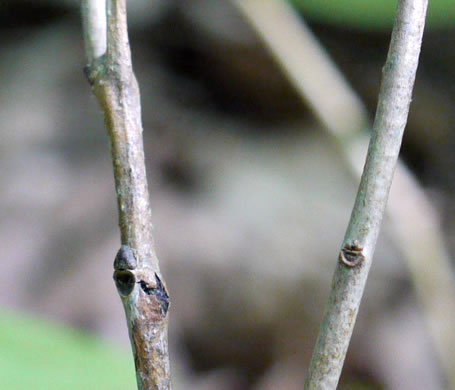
(94, 70)
(87, 72)
(159, 292)
(351, 255)
(125, 259)
(146, 288)
(124, 280)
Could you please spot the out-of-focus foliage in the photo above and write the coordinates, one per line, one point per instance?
(372, 14)
(37, 355)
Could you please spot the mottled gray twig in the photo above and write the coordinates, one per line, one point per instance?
(137, 274)
(363, 229)
(414, 220)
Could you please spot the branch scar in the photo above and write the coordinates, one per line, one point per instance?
(352, 255)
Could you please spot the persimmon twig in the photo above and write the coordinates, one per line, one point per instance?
(136, 270)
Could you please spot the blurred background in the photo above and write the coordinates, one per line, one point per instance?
(250, 196)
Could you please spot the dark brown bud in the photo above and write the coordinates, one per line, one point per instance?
(125, 259)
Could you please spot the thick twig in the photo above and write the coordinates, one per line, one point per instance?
(415, 223)
(137, 275)
(363, 229)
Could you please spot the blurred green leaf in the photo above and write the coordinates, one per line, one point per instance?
(371, 14)
(36, 355)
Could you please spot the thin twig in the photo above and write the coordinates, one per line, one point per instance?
(363, 229)
(417, 228)
(94, 26)
(137, 274)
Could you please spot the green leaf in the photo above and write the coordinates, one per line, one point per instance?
(372, 14)
(37, 355)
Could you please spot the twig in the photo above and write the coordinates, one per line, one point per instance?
(137, 274)
(363, 229)
(417, 228)
(94, 28)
